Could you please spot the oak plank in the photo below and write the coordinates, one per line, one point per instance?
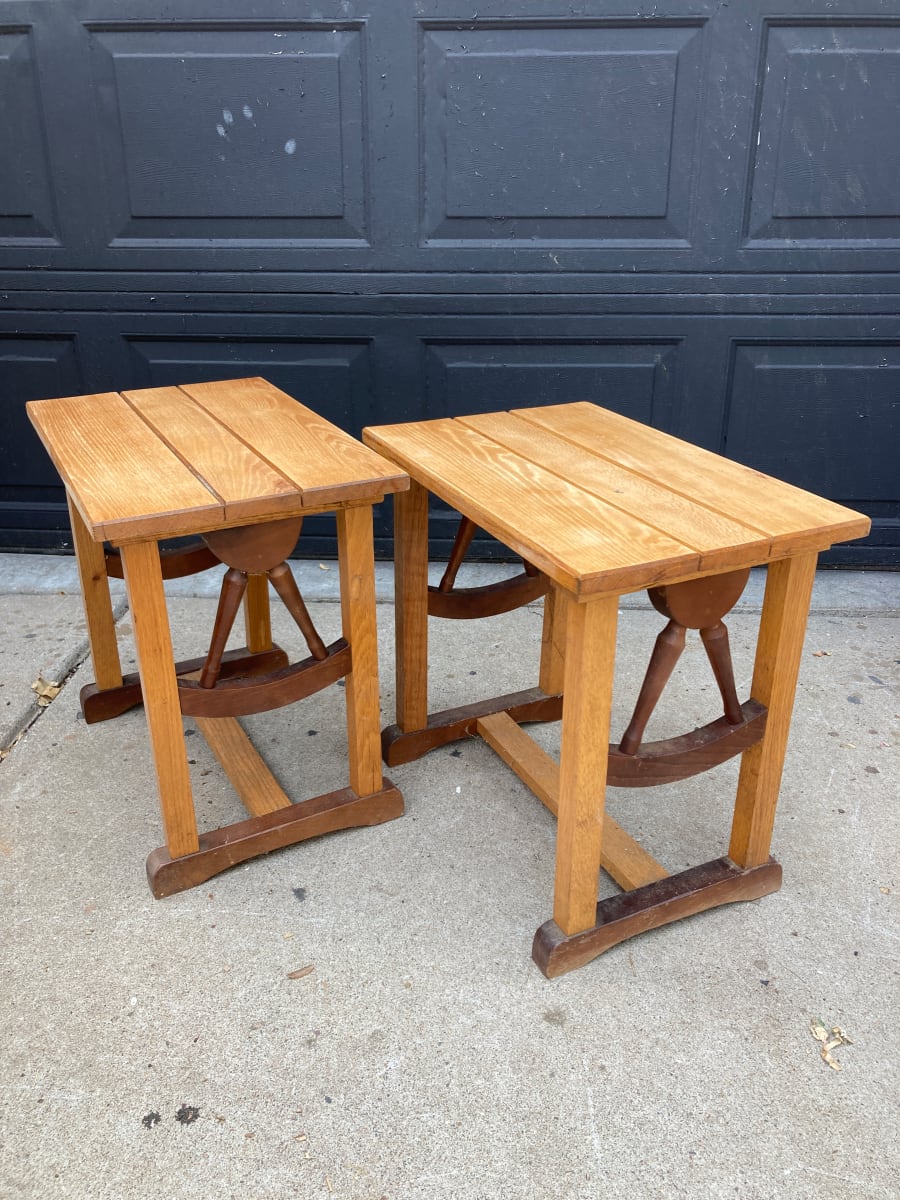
(703, 529)
(325, 464)
(584, 747)
(584, 544)
(259, 790)
(124, 481)
(779, 646)
(624, 859)
(553, 643)
(98, 610)
(159, 687)
(793, 518)
(247, 484)
(356, 562)
(411, 607)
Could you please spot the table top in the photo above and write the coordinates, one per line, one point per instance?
(604, 504)
(169, 461)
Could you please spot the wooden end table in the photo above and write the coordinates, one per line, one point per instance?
(241, 464)
(598, 506)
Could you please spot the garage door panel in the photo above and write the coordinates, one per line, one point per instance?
(31, 368)
(634, 378)
(27, 215)
(795, 409)
(826, 165)
(568, 173)
(212, 135)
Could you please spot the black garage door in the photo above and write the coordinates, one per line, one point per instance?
(687, 210)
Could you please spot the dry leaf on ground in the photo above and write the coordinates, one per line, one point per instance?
(830, 1039)
(46, 689)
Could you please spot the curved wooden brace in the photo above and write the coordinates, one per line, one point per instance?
(242, 697)
(103, 704)
(687, 755)
(467, 604)
(176, 561)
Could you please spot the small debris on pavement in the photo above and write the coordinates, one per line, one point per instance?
(830, 1039)
(301, 971)
(47, 690)
(821, 654)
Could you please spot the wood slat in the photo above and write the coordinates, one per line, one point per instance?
(624, 859)
(247, 484)
(798, 520)
(582, 543)
(259, 790)
(123, 479)
(703, 529)
(325, 464)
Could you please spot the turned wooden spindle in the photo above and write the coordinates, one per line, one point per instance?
(463, 540)
(255, 550)
(695, 604)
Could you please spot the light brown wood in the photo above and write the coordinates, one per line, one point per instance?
(357, 571)
(794, 519)
(325, 464)
(581, 542)
(124, 481)
(246, 483)
(143, 579)
(624, 859)
(553, 643)
(782, 627)
(590, 660)
(521, 753)
(98, 610)
(259, 790)
(257, 622)
(411, 606)
(706, 530)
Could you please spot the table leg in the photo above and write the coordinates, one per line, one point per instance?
(553, 642)
(101, 624)
(411, 576)
(144, 581)
(782, 628)
(357, 570)
(589, 662)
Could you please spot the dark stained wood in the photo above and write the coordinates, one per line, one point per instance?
(176, 561)
(467, 604)
(285, 585)
(231, 593)
(666, 652)
(715, 642)
(461, 543)
(454, 724)
(255, 548)
(242, 697)
(233, 844)
(103, 704)
(659, 903)
(687, 755)
(697, 603)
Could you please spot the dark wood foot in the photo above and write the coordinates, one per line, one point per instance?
(454, 724)
(623, 916)
(233, 844)
(102, 704)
